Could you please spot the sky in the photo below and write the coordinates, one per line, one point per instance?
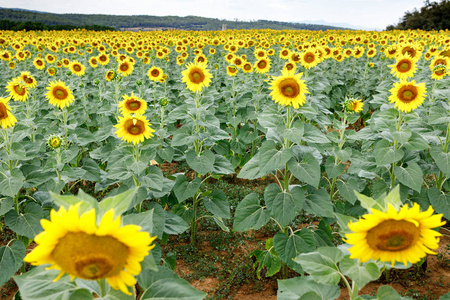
(359, 14)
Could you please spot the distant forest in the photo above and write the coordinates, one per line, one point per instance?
(18, 19)
(432, 16)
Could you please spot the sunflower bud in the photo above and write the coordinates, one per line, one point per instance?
(96, 81)
(138, 82)
(54, 142)
(163, 101)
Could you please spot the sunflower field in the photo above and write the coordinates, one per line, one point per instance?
(118, 147)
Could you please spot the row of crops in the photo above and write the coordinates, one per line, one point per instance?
(352, 129)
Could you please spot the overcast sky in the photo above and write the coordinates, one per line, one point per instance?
(362, 14)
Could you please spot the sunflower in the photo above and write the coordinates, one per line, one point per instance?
(403, 236)
(76, 245)
(17, 90)
(132, 105)
(125, 68)
(27, 79)
(54, 142)
(439, 72)
(309, 59)
(65, 62)
(51, 71)
(12, 65)
(262, 66)
(77, 68)
(93, 62)
(353, 105)
(133, 129)
(7, 119)
(232, 71)
(39, 63)
(404, 68)
(247, 67)
(196, 76)
(407, 96)
(290, 66)
(59, 94)
(103, 59)
(288, 89)
(155, 73)
(110, 75)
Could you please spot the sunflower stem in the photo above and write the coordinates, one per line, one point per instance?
(103, 287)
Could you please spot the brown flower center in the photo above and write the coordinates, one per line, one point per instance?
(289, 88)
(155, 73)
(407, 93)
(60, 93)
(3, 111)
(39, 62)
(404, 66)
(393, 235)
(124, 67)
(20, 90)
(262, 64)
(89, 256)
(196, 76)
(133, 104)
(309, 58)
(135, 127)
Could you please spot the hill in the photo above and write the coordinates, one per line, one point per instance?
(144, 22)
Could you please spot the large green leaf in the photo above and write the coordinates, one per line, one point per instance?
(11, 258)
(322, 264)
(333, 169)
(217, 204)
(174, 224)
(120, 203)
(440, 202)
(6, 204)
(250, 214)
(267, 261)
(297, 287)
(284, 206)
(27, 224)
(361, 274)
(293, 134)
(202, 163)
(38, 284)
(319, 203)
(251, 169)
(385, 155)
(411, 176)
(314, 135)
(165, 285)
(288, 247)
(222, 166)
(271, 159)
(441, 158)
(184, 189)
(11, 185)
(307, 170)
(87, 202)
(91, 168)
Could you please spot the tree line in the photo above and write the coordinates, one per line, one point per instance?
(142, 21)
(432, 16)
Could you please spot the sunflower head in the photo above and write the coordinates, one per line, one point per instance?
(134, 129)
(59, 94)
(132, 105)
(76, 244)
(7, 119)
(54, 142)
(17, 89)
(155, 74)
(110, 75)
(352, 105)
(404, 68)
(28, 79)
(407, 96)
(196, 77)
(288, 89)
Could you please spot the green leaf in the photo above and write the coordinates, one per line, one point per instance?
(38, 284)
(314, 135)
(251, 169)
(268, 263)
(91, 168)
(27, 224)
(10, 186)
(174, 224)
(221, 224)
(288, 247)
(441, 158)
(158, 219)
(202, 163)
(347, 191)
(283, 206)
(184, 189)
(343, 222)
(11, 258)
(181, 138)
(166, 153)
(332, 169)
(387, 292)
(416, 143)
(120, 203)
(165, 285)
(222, 166)
(308, 170)
(297, 287)
(250, 214)
(6, 204)
(319, 203)
(271, 159)
(411, 176)
(153, 178)
(322, 265)
(360, 274)
(217, 204)
(440, 202)
(144, 219)
(344, 154)
(385, 155)
(67, 200)
(81, 294)
(293, 134)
